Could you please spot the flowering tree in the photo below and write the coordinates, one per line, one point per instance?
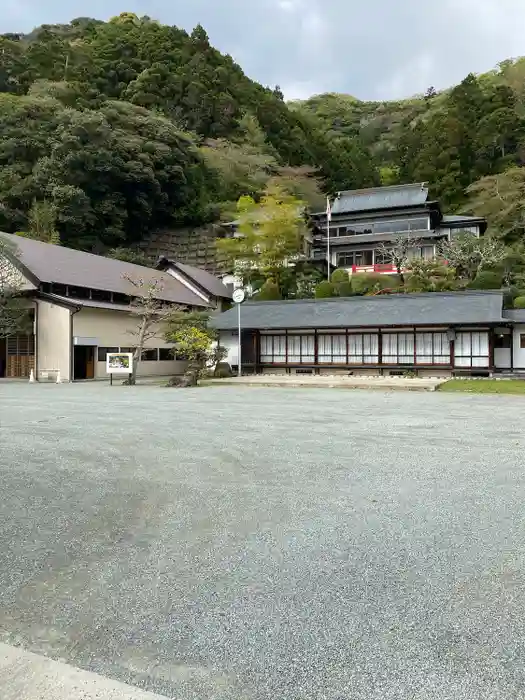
(13, 312)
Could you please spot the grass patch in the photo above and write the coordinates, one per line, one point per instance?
(484, 386)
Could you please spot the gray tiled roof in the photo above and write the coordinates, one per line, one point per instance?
(457, 219)
(204, 279)
(517, 315)
(51, 263)
(358, 312)
(380, 198)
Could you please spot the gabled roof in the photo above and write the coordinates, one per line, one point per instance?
(375, 198)
(50, 263)
(203, 279)
(437, 309)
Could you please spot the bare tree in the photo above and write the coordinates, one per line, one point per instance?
(468, 255)
(150, 312)
(14, 317)
(397, 253)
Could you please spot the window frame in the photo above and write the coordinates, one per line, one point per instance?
(147, 351)
(107, 349)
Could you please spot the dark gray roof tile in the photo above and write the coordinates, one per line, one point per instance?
(360, 312)
(52, 263)
(380, 198)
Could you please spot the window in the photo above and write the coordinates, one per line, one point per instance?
(416, 348)
(345, 260)
(471, 349)
(432, 349)
(392, 226)
(132, 350)
(382, 258)
(502, 341)
(364, 257)
(357, 257)
(149, 355)
(331, 349)
(398, 349)
(166, 354)
(102, 352)
(273, 349)
(101, 295)
(522, 341)
(60, 289)
(79, 292)
(301, 349)
(428, 252)
(121, 298)
(363, 349)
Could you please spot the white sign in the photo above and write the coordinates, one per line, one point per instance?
(238, 296)
(119, 363)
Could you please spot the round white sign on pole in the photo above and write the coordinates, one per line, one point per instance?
(238, 296)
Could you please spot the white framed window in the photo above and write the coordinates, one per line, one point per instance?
(471, 349)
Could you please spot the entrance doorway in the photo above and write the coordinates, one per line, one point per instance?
(84, 362)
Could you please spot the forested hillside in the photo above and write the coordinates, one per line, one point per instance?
(127, 126)
(467, 142)
(116, 129)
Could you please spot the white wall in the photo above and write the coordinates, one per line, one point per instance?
(519, 353)
(112, 329)
(53, 340)
(230, 341)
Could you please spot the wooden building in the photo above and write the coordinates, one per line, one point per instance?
(364, 220)
(80, 308)
(431, 334)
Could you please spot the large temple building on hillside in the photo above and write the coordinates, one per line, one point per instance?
(363, 220)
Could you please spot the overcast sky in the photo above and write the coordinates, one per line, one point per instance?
(373, 49)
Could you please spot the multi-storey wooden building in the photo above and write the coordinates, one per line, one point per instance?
(364, 220)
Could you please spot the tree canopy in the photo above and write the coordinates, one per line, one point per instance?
(127, 126)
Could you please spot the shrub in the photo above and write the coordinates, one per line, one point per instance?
(368, 283)
(519, 302)
(325, 290)
(486, 280)
(222, 370)
(339, 276)
(269, 292)
(344, 289)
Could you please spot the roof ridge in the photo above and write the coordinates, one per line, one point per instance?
(380, 297)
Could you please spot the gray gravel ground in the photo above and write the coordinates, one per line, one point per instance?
(267, 544)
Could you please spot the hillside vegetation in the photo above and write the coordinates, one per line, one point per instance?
(129, 125)
(118, 129)
(468, 142)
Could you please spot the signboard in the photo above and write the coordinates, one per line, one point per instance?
(119, 362)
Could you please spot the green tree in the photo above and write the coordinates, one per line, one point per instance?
(194, 341)
(42, 223)
(270, 235)
(269, 291)
(501, 199)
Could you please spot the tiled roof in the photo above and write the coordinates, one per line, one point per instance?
(380, 198)
(51, 263)
(450, 308)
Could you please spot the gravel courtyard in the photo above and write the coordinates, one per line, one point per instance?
(267, 544)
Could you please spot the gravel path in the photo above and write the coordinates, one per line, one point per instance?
(267, 544)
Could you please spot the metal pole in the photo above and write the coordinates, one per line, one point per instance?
(328, 245)
(239, 370)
